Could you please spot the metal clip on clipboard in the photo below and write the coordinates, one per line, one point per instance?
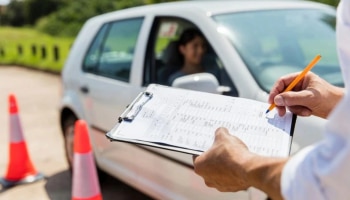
(135, 107)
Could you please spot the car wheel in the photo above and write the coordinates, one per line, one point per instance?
(68, 133)
(68, 128)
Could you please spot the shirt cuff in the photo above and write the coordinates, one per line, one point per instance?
(292, 184)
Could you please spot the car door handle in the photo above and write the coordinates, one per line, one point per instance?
(84, 89)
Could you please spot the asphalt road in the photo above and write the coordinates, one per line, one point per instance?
(38, 95)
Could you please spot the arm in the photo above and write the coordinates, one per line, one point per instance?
(311, 96)
(228, 166)
(317, 172)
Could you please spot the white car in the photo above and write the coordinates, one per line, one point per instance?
(250, 43)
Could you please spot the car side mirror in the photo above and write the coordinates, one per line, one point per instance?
(204, 82)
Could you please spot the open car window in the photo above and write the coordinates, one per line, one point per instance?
(163, 57)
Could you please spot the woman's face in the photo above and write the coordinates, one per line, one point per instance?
(193, 50)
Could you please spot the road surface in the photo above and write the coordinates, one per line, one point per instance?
(38, 95)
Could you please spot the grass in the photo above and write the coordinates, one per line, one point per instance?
(16, 48)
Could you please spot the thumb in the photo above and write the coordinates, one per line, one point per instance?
(292, 98)
(220, 134)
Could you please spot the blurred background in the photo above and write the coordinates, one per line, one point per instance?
(37, 33)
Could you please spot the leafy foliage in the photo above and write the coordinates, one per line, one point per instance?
(14, 14)
(68, 20)
(329, 2)
(34, 9)
(19, 13)
(65, 17)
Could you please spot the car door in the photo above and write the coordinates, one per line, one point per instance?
(162, 59)
(107, 70)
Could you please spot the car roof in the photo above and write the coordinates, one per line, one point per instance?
(222, 6)
(212, 7)
(219, 7)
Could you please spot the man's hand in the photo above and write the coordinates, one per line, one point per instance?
(229, 166)
(222, 166)
(311, 96)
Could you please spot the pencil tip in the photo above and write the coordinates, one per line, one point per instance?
(267, 111)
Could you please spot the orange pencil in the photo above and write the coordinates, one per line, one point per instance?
(298, 78)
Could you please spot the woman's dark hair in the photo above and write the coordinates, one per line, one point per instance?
(175, 59)
(188, 35)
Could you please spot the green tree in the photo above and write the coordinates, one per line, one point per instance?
(157, 1)
(329, 2)
(13, 15)
(19, 13)
(34, 9)
(68, 20)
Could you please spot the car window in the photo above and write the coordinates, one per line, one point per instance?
(112, 51)
(273, 43)
(164, 59)
(92, 56)
(166, 47)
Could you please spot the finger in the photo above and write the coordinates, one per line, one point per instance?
(209, 183)
(228, 189)
(280, 85)
(291, 98)
(281, 110)
(194, 157)
(198, 164)
(220, 134)
(300, 110)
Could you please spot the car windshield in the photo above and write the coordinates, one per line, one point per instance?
(277, 42)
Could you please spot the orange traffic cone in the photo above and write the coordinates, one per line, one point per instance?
(85, 180)
(20, 169)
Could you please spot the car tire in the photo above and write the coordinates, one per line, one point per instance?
(68, 134)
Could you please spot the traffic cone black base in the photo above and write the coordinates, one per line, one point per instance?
(29, 179)
(20, 168)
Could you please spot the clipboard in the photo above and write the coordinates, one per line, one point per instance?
(185, 121)
(134, 108)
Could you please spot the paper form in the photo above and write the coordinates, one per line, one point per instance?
(189, 119)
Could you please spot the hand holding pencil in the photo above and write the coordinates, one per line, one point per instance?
(297, 79)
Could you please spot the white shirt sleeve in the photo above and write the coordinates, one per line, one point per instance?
(322, 171)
